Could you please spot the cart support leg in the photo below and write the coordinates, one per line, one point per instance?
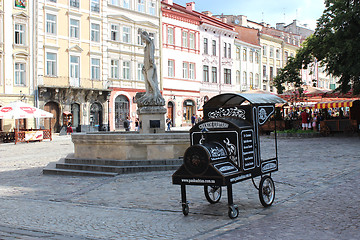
(183, 194)
(230, 195)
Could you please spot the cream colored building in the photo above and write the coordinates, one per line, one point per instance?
(16, 67)
(124, 53)
(70, 64)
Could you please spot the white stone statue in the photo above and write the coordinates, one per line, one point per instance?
(152, 97)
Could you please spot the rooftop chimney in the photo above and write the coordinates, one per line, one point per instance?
(207, 13)
(170, 2)
(190, 6)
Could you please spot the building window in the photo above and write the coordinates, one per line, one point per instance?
(140, 76)
(277, 53)
(214, 47)
(95, 32)
(264, 49)
(251, 80)
(225, 49)
(171, 68)
(51, 64)
(264, 71)
(126, 4)
(50, 23)
(20, 34)
(244, 78)
(244, 54)
(286, 56)
(74, 67)
(271, 52)
(114, 69)
(115, 2)
(229, 50)
(141, 5)
(20, 3)
(170, 37)
(185, 70)
(256, 80)
(227, 76)
(237, 53)
(52, 1)
(114, 32)
(206, 47)
(257, 57)
(75, 3)
(95, 69)
(95, 6)
(251, 56)
(152, 8)
(192, 70)
(20, 73)
(206, 73)
(192, 40)
(271, 73)
(185, 39)
(74, 28)
(237, 77)
(214, 75)
(126, 70)
(126, 34)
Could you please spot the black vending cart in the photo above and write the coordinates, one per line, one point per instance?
(225, 149)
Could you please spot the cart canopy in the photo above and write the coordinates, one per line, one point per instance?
(233, 99)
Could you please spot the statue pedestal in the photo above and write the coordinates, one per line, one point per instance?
(152, 119)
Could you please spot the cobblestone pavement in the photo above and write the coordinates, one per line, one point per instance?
(317, 196)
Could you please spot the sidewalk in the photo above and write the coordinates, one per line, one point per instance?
(315, 181)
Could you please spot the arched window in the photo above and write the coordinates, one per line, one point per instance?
(96, 115)
(121, 111)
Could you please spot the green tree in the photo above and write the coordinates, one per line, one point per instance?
(335, 44)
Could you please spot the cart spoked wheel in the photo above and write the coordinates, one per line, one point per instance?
(233, 211)
(266, 191)
(185, 209)
(212, 193)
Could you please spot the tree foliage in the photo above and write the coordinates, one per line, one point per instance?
(335, 44)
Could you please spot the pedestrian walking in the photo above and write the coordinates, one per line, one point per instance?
(193, 118)
(168, 123)
(127, 124)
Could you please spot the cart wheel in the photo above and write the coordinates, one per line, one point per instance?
(266, 191)
(212, 193)
(233, 211)
(185, 209)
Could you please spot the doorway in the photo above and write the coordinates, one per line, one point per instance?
(121, 111)
(170, 112)
(54, 123)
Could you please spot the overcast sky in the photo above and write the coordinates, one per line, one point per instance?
(272, 12)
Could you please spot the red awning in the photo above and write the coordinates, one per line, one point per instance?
(335, 104)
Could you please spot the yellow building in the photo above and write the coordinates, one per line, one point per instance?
(16, 67)
(70, 62)
(277, 46)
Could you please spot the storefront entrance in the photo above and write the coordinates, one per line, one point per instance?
(121, 111)
(54, 123)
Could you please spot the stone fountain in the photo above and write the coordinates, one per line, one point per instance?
(149, 149)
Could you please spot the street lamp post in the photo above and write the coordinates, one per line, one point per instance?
(108, 102)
